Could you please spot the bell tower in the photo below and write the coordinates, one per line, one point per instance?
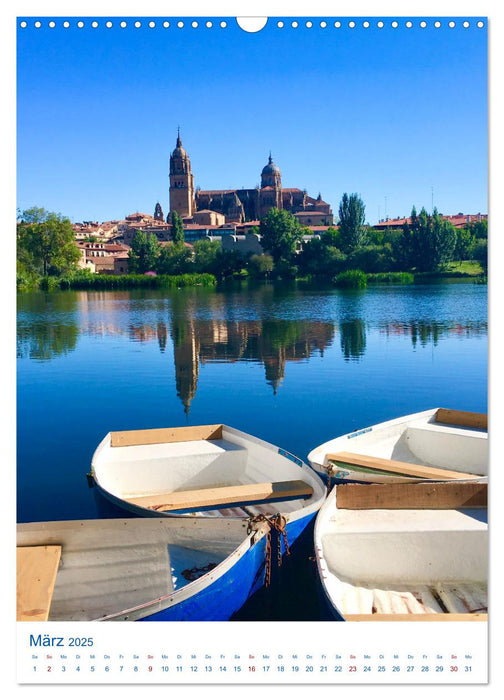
(181, 181)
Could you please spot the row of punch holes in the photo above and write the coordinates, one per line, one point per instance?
(281, 24)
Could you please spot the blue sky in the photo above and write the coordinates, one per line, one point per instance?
(398, 115)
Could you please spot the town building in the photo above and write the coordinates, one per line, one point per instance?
(457, 220)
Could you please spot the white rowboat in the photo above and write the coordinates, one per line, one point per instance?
(209, 471)
(434, 444)
(392, 552)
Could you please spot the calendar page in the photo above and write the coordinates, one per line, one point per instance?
(252, 346)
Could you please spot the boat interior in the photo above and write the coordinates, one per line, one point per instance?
(426, 441)
(88, 570)
(209, 474)
(405, 561)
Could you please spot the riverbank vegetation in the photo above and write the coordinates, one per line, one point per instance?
(352, 254)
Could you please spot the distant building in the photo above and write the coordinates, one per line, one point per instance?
(101, 257)
(240, 205)
(458, 220)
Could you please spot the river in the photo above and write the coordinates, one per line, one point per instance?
(288, 363)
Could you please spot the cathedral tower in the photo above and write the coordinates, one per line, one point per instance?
(270, 194)
(181, 182)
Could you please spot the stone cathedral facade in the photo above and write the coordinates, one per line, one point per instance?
(240, 205)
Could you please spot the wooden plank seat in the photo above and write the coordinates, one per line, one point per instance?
(36, 569)
(466, 419)
(395, 467)
(153, 436)
(423, 495)
(243, 494)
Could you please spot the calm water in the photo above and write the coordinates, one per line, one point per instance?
(291, 365)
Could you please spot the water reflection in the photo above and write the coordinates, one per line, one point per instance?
(353, 339)
(424, 332)
(200, 327)
(47, 326)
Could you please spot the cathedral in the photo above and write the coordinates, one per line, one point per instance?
(238, 206)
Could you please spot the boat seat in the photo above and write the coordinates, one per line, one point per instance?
(423, 494)
(395, 467)
(36, 569)
(243, 494)
(463, 418)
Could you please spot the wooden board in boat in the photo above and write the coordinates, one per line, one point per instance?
(207, 497)
(430, 495)
(463, 418)
(36, 569)
(153, 436)
(395, 467)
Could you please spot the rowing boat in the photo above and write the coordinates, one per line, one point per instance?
(434, 444)
(394, 552)
(210, 471)
(138, 569)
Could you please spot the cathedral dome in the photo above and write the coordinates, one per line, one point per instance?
(270, 168)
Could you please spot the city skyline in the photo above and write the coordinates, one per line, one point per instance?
(398, 115)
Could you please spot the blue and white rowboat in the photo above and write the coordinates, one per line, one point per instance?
(138, 569)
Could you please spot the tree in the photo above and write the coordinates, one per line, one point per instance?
(177, 228)
(227, 263)
(143, 253)
(34, 215)
(466, 242)
(428, 241)
(174, 259)
(351, 222)
(205, 255)
(281, 234)
(320, 259)
(260, 266)
(46, 242)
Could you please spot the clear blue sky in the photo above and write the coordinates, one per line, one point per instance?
(387, 113)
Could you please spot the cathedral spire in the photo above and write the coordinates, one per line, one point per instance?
(179, 140)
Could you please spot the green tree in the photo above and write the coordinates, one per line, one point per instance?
(143, 253)
(371, 258)
(465, 244)
(177, 227)
(46, 242)
(428, 241)
(331, 237)
(174, 259)
(34, 215)
(351, 226)
(227, 263)
(205, 255)
(281, 235)
(319, 259)
(260, 266)
(481, 253)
